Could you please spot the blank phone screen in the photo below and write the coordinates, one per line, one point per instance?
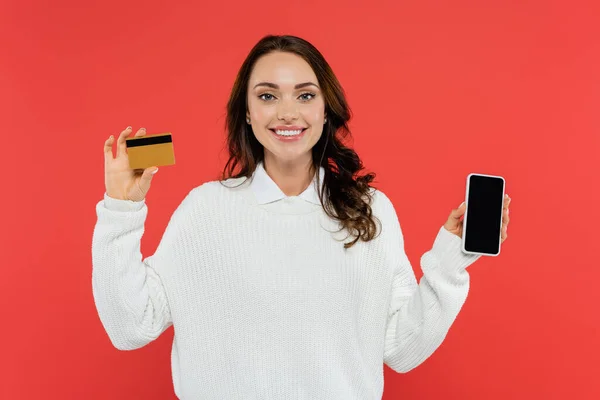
(484, 214)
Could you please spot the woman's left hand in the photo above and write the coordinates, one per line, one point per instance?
(455, 224)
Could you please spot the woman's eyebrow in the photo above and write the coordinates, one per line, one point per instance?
(275, 86)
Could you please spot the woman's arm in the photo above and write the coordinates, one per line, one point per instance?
(128, 292)
(420, 315)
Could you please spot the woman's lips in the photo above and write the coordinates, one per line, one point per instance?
(289, 138)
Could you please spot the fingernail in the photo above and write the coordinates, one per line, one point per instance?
(142, 129)
(155, 171)
(128, 127)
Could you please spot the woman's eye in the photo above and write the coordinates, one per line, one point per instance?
(264, 94)
(308, 94)
(271, 96)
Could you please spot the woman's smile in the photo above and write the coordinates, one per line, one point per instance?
(288, 134)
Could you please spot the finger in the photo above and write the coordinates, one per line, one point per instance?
(149, 172)
(140, 132)
(457, 213)
(146, 178)
(505, 217)
(121, 145)
(108, 153)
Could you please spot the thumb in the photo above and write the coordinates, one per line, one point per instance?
(146, 178)
(460, 210)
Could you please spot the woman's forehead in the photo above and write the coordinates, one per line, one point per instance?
(283, 70)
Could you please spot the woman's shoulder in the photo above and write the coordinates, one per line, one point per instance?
(215, 187)
(380, 203)
(383, 208)
(205, 199)
(215, 191)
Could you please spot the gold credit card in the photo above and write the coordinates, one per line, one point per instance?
(150, 151)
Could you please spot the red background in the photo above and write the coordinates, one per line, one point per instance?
(439, 89)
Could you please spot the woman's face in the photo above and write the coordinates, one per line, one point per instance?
(285, 107)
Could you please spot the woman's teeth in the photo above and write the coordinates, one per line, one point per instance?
(288, 133)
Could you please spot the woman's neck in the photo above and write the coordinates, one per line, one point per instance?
(291, 177)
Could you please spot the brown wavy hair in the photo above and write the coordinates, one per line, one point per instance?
(348, 196)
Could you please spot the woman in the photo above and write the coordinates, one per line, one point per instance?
(265, 300)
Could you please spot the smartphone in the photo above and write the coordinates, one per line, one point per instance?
(482, 222)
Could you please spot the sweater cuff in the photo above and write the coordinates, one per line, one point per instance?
(447, 249)
(122, 205)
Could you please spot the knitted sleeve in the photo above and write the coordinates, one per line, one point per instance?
(128, 292)
(420, 315)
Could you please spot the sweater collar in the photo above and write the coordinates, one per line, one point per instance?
(267, 191)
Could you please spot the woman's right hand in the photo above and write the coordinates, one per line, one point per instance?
(121, 181)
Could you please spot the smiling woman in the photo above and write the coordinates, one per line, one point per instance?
(284, 112)
(264, 300)
(296, 116)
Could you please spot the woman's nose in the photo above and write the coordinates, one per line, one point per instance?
(287, 110)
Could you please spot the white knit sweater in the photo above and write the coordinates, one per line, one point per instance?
(265, 301)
